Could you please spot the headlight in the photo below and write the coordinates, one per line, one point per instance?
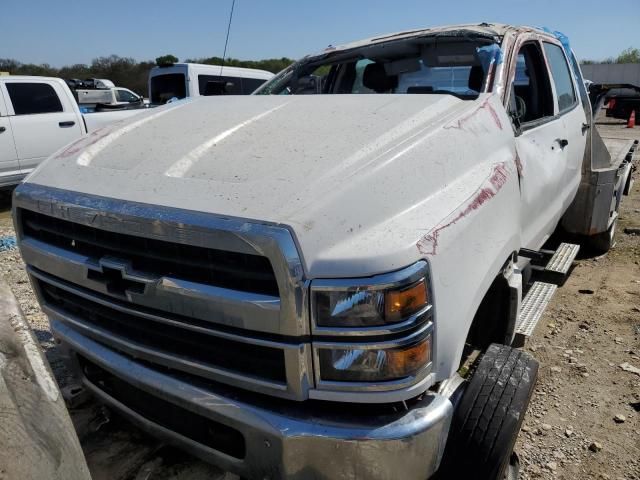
(369, 307)
(373, 365)
(373, 334)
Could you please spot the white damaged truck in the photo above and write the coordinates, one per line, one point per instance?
(330, 278)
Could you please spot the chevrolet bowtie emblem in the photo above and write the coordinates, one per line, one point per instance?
(118, 277)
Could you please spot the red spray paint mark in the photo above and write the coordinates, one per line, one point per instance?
(485, 105)
(83, 143)
(493, 113)
(71, 149)
(428, 244)
(499, 176)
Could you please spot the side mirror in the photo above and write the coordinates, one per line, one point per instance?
(521, 108)
(517, 110)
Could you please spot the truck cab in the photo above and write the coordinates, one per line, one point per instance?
(325, 279)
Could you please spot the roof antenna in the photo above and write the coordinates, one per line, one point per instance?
(226, 42)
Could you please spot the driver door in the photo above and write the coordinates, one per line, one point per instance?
(541, 143)
(9, 166)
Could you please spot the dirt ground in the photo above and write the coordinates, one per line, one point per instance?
(584, 419)
(583, 422)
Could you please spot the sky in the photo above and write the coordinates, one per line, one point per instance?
(71, 31)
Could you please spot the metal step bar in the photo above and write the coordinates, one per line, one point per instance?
(531, 310)
(552, 266)
(562, 258)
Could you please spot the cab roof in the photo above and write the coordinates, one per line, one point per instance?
(495, 30)
(31, 78)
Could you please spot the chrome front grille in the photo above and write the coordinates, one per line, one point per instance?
(206, 266)
(216, 297)
(159, 337)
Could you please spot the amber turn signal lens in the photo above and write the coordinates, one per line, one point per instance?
(399, 304)
(373, 365)
(409, 360)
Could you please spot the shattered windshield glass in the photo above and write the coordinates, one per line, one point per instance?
(456, 66)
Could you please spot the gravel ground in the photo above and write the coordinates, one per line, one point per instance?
(584, 419)
(583, 422)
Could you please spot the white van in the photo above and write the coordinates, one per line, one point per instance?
(182, 80)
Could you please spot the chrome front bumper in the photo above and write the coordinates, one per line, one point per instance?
(283, 440)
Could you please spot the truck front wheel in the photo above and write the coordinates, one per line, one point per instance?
(487, 421)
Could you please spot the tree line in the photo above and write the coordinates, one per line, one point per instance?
(629, 55)
(126, 71)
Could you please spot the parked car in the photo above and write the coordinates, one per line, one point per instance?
(181, 80)
(330, 285)
(103, 94)
(38, 115)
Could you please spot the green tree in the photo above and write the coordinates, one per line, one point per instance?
(79, 70)
(16, 68)
(630, 55)
(127, 72)
(8, 65)
(166, 60)
(273, 65)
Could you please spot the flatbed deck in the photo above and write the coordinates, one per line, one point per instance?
(618, 147)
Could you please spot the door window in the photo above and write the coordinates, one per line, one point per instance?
(531, 97)
(32, 98)
(167, 86)
(126, 96)
(566, 95)
(457, 80)
(249, 85)
(219, 85)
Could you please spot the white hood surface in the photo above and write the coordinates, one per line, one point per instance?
(338, 169)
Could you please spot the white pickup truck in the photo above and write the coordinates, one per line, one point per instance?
(39, 115)
(108, 97)
(330, 285)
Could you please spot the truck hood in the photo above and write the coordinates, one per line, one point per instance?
(338, 164)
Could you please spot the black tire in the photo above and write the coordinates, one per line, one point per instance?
(601, 243)
(486, 423)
